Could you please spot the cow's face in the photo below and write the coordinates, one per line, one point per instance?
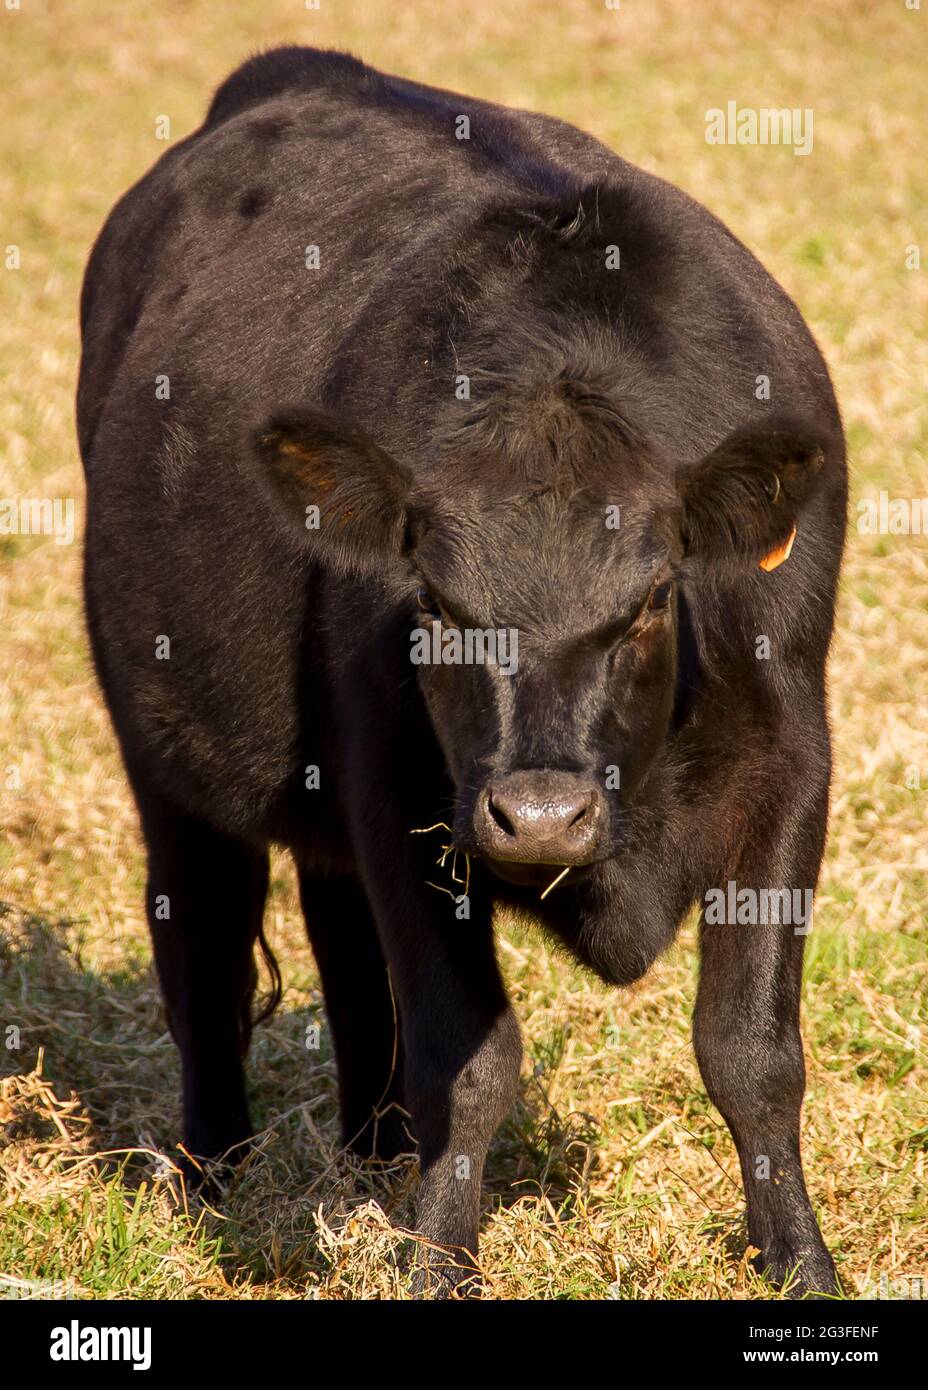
(547, 620)
(542, 610)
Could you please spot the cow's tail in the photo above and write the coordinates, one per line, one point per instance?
(277, 985)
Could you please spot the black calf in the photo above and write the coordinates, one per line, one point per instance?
(443, 472)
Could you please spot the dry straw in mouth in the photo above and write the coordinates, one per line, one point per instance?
(445, 851)
(450, 849)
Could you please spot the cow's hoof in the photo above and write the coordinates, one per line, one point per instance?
(209, 1178)
(381, 1140)
(438, 1274)
(803, 1274)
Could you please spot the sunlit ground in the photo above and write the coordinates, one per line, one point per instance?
(614, 1176)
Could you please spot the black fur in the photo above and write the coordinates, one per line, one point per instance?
(341, 388)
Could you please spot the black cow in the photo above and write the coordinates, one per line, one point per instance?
(365, 360)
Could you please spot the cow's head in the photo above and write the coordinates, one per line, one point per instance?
(544, 577)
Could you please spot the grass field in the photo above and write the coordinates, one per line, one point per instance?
(614, 1177)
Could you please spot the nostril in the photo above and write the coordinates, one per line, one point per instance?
(540, 818)
(499, 816)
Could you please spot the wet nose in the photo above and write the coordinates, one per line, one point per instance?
(540, 817)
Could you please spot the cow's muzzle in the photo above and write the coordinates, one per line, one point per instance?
(539, 817)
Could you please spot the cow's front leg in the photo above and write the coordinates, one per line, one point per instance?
(748, 1042)
(462, 1053)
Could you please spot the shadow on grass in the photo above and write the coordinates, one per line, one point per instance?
(105, 1052)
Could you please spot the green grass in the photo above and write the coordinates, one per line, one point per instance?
(613, 1177)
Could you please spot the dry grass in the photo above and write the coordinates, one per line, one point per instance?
(613, 1177)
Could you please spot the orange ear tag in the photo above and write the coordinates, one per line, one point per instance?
(781, 553)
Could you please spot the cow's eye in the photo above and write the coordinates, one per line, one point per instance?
(428, 604)
(660, 597)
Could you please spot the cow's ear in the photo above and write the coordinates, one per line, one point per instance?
(339, 491)
(741, 503)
